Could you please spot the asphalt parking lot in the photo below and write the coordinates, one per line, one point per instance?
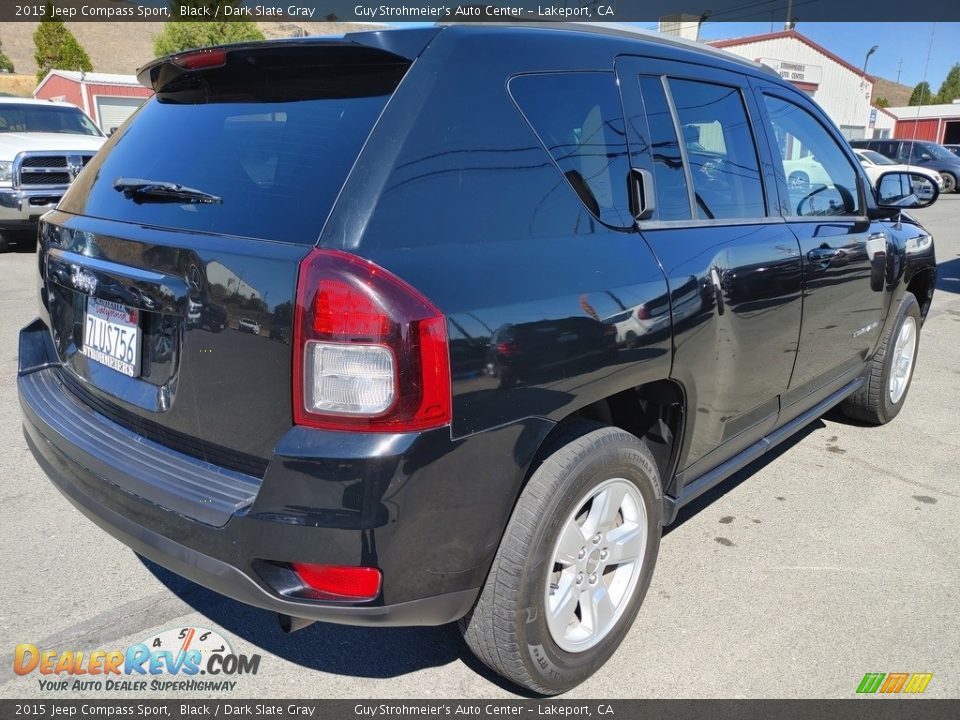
(837, 555)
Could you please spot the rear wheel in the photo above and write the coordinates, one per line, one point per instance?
(949, 183)
(882, 396)
(574, 564)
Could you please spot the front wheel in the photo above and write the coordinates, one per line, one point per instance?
(574, 564)
(881, 397)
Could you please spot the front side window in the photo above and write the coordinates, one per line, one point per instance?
(578, 118)
(720, 150)
(820, 179)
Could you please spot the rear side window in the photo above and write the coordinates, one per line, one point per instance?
(720, 150)
(578, 118)
(275, 149)
(669, 178)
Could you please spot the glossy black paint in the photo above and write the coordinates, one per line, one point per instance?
(549, 310)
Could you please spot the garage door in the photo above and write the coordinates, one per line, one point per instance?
(113, 111)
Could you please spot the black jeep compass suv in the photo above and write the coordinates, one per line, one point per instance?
(493, 302)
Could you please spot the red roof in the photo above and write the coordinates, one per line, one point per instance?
(733, 42)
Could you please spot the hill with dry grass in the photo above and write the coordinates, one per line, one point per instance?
(895, 93)
(122, 47)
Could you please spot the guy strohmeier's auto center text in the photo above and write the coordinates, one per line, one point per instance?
(458, 12)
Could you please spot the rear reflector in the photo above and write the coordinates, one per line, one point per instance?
(339, 582)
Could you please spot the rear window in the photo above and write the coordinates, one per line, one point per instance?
(578, 118)
(275, 144)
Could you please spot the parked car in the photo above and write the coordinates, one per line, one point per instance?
(248, 325)
(805, 172)
(494, 196)
(927, 155)
(876, 164)
(43, 147)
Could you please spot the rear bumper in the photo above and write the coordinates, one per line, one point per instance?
(222, 530)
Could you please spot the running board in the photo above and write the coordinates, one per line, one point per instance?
(714, 477)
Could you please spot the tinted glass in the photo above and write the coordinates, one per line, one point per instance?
(41, 118)
(277, 165)
(937, 151)
(720, 150)
(672, 197)
(820, 179)
(578, 118)
(876, 158)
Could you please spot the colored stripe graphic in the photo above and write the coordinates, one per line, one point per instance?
(918, 682)
(893, 683)
(870, 682)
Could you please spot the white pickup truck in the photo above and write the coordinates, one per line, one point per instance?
(43, 147)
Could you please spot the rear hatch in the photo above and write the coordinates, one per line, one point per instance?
(170, 267)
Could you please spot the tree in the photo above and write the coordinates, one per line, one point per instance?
(184, 34)
(950, 89)
(881, 102)
(921, 94)
(56, 47)
(6, 65)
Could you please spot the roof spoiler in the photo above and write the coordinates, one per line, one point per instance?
(383, 45)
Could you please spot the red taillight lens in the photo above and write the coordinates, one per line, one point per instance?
(370, 352)
(643, 313)
(202, 59)
(339, 582)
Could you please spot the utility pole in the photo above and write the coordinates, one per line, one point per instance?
(899, 70)
(788, 25)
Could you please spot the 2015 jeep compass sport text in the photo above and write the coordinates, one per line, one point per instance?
(520, 293)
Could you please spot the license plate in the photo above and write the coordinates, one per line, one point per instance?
(111, 336)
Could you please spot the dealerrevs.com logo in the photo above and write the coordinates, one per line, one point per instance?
(190, 659)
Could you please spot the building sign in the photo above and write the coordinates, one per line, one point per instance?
(794, 71)
(873, 117)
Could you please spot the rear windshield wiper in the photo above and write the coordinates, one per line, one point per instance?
(140, 190)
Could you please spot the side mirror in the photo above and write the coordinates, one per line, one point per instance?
(906, 191)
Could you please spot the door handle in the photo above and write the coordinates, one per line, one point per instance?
(823, 255)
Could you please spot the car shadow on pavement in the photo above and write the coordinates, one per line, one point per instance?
(948, 276)
(717, 492)
(363, 652)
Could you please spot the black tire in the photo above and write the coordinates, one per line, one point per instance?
(507, 628)
(4, 242)
(949, 183)
(872, 402)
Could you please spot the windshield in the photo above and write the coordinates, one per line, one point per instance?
(938, 151)
(45, 119)
(875, 158)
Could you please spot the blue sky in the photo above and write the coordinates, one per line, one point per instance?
(851, 41)
(906, 41)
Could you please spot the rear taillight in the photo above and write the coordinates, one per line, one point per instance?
(370, 352)
(643, 313)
